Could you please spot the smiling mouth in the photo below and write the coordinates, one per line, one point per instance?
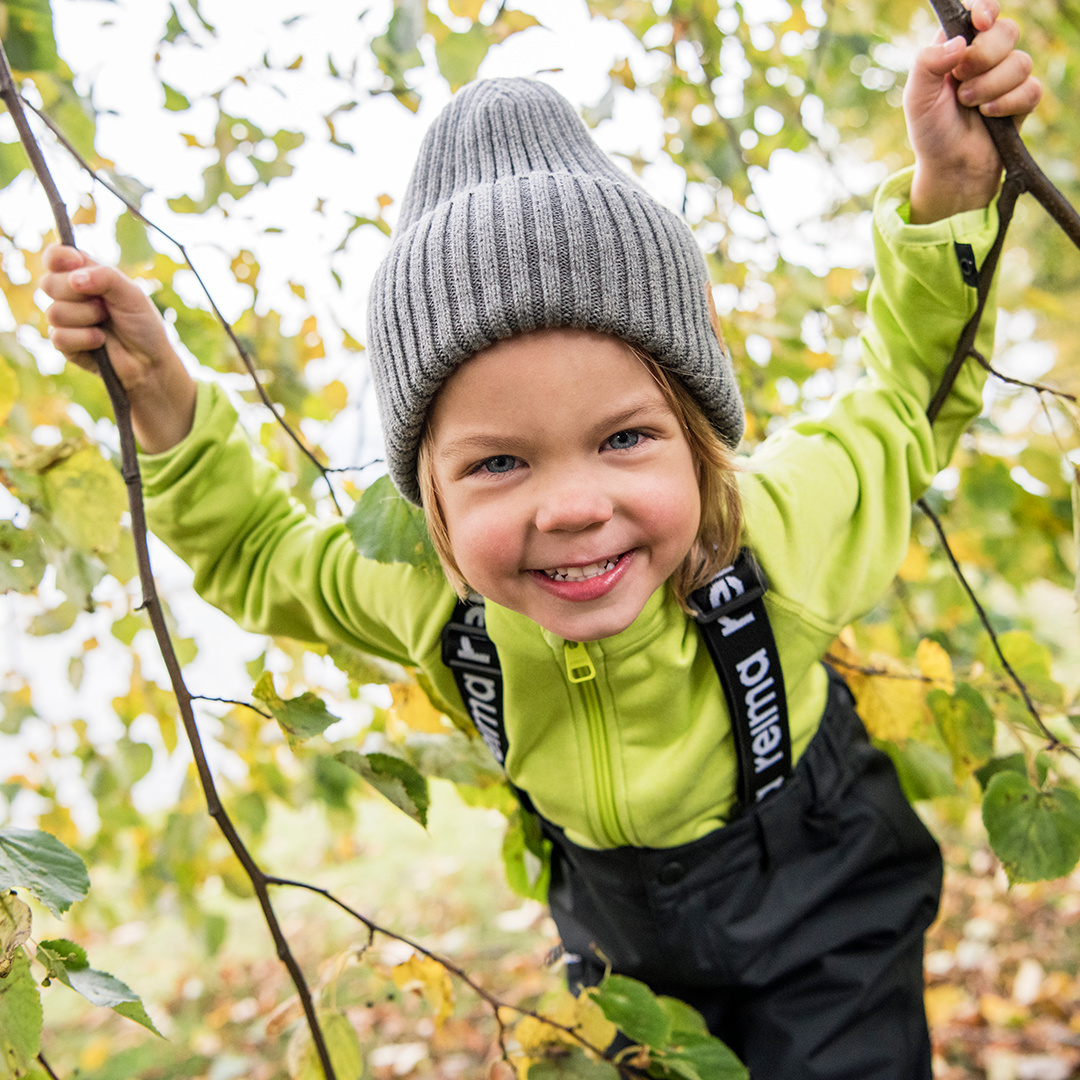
(581, 573)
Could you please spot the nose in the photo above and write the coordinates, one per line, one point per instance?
(572, 505)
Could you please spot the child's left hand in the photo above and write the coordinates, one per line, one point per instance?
(956, 164)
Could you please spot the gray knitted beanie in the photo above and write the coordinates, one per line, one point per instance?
(515, 220)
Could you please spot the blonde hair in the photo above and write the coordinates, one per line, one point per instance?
(720, 525)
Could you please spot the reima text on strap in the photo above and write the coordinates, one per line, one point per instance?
(730, 611)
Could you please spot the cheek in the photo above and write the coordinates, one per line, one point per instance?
(483, 543)
(672, 508)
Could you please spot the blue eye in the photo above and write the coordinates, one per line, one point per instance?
(624, 440)
(500, 463)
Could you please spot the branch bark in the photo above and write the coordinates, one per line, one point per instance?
(133, 481)
(1022, 174)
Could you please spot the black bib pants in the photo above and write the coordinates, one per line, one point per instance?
(796, 930)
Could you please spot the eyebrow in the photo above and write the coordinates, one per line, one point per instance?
(484, 442)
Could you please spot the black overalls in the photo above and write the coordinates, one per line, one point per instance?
(796, 929)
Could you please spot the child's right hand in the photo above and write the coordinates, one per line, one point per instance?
(94, 306)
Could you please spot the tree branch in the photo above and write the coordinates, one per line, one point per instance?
(133, 481)
(1053, 742)
(1022, 174)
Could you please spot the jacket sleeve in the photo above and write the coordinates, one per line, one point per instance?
(259, 556)
(828, 501)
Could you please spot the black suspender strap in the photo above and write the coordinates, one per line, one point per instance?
(469, 653)
(730, 610)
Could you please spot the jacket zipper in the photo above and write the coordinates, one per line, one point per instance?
(582, 673)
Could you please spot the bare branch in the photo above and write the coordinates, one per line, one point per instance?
(459, 973)
(1053, 742)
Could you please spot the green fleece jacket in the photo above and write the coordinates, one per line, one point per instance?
(642, 754)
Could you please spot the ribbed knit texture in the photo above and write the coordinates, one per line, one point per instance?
(515, 220)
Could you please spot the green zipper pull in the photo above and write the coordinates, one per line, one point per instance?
(579, 665)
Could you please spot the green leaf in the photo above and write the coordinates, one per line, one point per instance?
(135, 247)
(1014, 763)
(68, 963)
(1035, 834)
(633, 1008)
(34, 860)
(301, 718)
(966, 724)
(342, 1044)
(684, 1019)
(14, 930)
(22, 559)
(526, 856)
(393, 778)
(459, 56)
(28, 36)
(574, 1064)
(924, 771)
(13, 160)
(387, 528)
(174, 100)
(86, 497)
(1030, 659)
(20, 1020)
(700, 1057)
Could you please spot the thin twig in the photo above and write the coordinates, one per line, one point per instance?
(232, 701)
(133, 481)
(880, 673)
(245, 357)
(47, 1067)
(1053, 742)
(459, 973)
(1040, 387)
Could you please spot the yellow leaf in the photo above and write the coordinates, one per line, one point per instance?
(935, 664)
(412, 708)
(798, 21)
(432, 979)
(1000, 1012)
(59, 822)
(245, 269)
(311, 340)
(889, 698)
(14, 930)
(582, 1014)
(85, 214)
(915, 564)
(512, 22)
(302, 1059)
(944, 1003)
(467, 9)
(96, 1054)
(335, 395)
(9, 389)
(86, 497)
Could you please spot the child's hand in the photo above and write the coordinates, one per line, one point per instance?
(956, 165)
(96, 305)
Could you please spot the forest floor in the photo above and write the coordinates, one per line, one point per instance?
(1003, 964)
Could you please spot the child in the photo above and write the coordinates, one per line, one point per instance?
(556, 393)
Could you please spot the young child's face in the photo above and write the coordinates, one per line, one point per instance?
(568, 488)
